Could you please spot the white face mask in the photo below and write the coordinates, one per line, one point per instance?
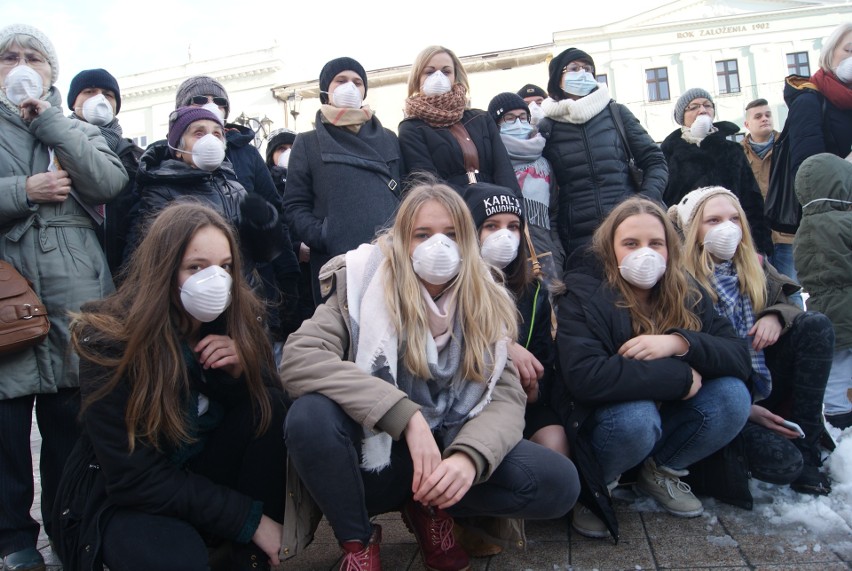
(642, 268)
(723, 240)
(208, 153)
(347, 96)
(23, 82)
(536, 113)
(215, 110)
(283, 159)
(206, 294)
(844, 70)
(436, 260)
(500, 248)
(701, 126)
(436, 84)
(97, 110)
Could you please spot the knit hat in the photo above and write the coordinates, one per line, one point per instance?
(530, 90)
(50, 52)
(505, 102)
(486, 199)
(181, 118)
(688, 97)
(334, 67)
(557, 64)
(93, 78)
(276, 139)
(200, 85)
(684, 211)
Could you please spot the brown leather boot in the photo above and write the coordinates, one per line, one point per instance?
(360, 557)
(433, 529)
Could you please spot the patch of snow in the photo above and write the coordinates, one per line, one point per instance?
(722, 541)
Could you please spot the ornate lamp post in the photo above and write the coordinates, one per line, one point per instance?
(261, 127)
(294, 102)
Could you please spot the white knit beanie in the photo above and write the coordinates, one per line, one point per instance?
(25, 30)
(684, 211)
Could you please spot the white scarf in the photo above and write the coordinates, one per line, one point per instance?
(577, 111)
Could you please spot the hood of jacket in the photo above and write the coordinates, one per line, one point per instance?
(795, 85)
(158, 166)
(824, 176)
(238, 135)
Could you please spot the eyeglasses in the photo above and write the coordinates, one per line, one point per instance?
(205, 99)
(11, 59)
(696, 106)
(512, 117)
(574, 66)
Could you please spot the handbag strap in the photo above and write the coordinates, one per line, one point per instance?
(536, 265)
(469, 152)
(619, 126)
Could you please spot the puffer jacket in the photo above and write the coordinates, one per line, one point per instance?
(590, 164)
(824, 241)
(54, 245)
(716, 162)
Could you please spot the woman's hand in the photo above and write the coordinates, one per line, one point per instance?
(219, 352)
(32, 108)
(696, 384)
(448, 483)
(48, 187)
(765, 331)
(648, 347)
(530, 369)
(765, 418)
(267, 536)
(425, 455)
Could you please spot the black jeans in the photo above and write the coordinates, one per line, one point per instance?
(324, 444)
(56, 415)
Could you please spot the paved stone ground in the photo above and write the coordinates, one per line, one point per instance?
(724, 538)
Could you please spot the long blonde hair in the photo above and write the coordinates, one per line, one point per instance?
(673, 298)
(486, 312)
(422, 60)
(752, 280)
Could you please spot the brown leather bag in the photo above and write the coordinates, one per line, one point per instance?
(469, 152)
(23, 318)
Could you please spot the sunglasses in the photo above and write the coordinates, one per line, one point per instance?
(204, 100)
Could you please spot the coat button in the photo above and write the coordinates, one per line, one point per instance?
(66, 512)
(576, 424)
(88, 548)
(286, 551)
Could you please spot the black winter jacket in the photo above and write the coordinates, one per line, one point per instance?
(589, 162)
(435, 150)
(717, 162)
(591, 328)
(249, 168)
(113, 233)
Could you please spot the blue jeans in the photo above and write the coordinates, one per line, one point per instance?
(680, 433)
(839, 382)
(782, 259)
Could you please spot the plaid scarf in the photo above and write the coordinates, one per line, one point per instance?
(351, 119)
(738, 309)
(438, 110)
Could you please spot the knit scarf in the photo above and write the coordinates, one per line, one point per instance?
(533, 174)
(447, 401)
(438, 110)
(351, 119)
(524, 151)
(762, 149)
(111, 131)
(686, 135)
(834, 90)
(577, 111)
(738, 309)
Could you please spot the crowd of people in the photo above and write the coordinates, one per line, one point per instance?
(486, 317)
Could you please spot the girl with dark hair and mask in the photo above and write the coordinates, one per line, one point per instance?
(182, 411)
(655, 376)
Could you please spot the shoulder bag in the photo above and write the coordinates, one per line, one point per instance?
(471, 155)
(636, 173)
(23, 317)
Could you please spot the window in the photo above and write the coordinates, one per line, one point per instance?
(798, 64)
(141, 141)
(728, 76)
(658, 83)
(602, 78)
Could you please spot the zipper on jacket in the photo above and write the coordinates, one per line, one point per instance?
(598, 209)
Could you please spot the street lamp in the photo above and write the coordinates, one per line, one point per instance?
(261, 127)
(294, 101)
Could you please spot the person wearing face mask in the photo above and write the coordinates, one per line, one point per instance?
(344, 179)
(54, 172)
(441, 135)
(538, 185)
(654, 375)
(700, 154)
(821, 250)
(590, 140)
(533, 96)
(95, 97)
(406, 398)
(182, 418)
(790, 349)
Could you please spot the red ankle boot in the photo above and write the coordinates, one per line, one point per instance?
(360, 557)
(433, 529)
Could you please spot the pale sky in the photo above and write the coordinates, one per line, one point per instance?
(132, 37)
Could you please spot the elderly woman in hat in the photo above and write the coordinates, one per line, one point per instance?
(700, 154)
(55, 171)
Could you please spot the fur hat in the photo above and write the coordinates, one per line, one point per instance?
(93, 78)
(50, 52)
(505, 102)
(557, 64)
(486, 199)
(688, 97)
(334, 67)
(200, 85)
(684, 211)
(181, 118)
(530, 90)
(276, 139)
